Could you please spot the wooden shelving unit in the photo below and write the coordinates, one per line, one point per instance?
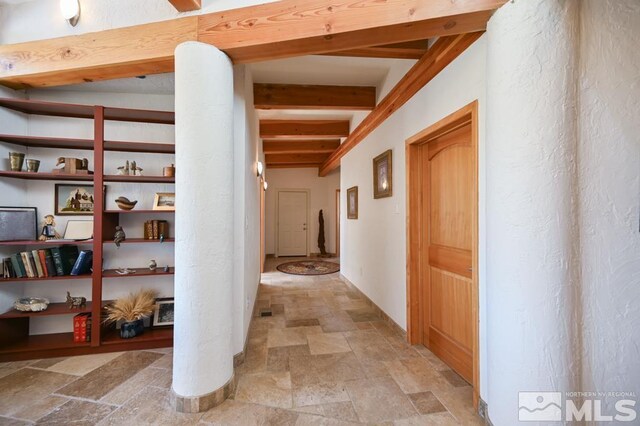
(15, 341)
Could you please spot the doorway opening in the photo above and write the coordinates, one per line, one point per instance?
(442, 241)
(292, 222)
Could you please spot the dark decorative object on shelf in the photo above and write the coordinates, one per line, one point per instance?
(131, 329)
(125, 204)
(49, 229)
(18, 223)
(323, 250)
(76, 302)
(119, 236)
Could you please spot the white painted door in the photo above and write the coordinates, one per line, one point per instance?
(292, 223)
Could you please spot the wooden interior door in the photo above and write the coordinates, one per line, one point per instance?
(448, 197)
(292, 223)
(338, 222)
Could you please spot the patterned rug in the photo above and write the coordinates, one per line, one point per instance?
(309, 267)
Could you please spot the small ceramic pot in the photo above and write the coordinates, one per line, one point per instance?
(33, 165)
(131, 329)
(169, 171)
(17, 161)
(152, 265)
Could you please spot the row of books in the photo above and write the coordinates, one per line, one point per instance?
(153, 229)
(51, 262)
(82, 327)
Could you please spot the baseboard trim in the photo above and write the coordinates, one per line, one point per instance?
(199, 404)
(382, 314)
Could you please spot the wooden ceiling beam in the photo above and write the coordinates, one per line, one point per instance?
(407, 50)
(304, 129)
(275, 30)
(300, 146)
(186, 5)
(294, 166)
(295, 96)
(441, 54)
(272, 159)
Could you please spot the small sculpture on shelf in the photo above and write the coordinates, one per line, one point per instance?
(76, 302)
(152, 265)
(48, 229)
(130, 169)
(125, 204)
(31, 304)
(119, 236)
(73, 166)
(125, 271)
(166, 268)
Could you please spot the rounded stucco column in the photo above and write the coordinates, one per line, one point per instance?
(202, 356)
(531, 195)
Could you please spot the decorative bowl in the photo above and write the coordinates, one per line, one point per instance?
(125, 204)
(31, 304)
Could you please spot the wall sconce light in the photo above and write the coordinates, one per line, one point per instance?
(266, 185)
(260, 168)
(70, 10)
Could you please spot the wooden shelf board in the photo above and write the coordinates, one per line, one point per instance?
(139, 179)
(42, 342)
(87, 144)
(53, 309)
(46, 176)
(112, 337)
(45, 243)
(138, 211)
(141, 241)
(140, 272)
(57, 109)
(56, 278)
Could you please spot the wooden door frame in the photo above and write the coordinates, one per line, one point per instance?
(415, 251)
(263, 195)
(337, 222)
(277, 236)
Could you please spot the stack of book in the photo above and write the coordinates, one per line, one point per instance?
(82, 328)
(154, 228)
(51, 262)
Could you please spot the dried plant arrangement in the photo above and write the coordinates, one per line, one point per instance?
(133, 307)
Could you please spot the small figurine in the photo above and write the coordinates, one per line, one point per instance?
(161, 238)
(124, 170)
(135, 170)
(125, 271)
(48, 229)
(166, 268)
(73, 166)
(152, 265)
(119, 236)
(125, 204)
(76, 302)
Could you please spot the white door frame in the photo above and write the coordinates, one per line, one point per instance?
(278, 191)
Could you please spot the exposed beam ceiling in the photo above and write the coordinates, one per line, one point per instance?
(186, 5)
(406, 50)
(300, 146)
(281, 29)
(290, 96)
(316, 159)
(442, 53)
(304, 129)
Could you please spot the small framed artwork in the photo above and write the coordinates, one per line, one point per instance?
(163, 312)
(165, 201)
(18, 223)
(78, 230)
(74, 200)
(382, 175)
(352, 203)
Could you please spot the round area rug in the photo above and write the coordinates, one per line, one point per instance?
(309, 267)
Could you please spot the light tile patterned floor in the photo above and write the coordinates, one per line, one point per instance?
(322, 358)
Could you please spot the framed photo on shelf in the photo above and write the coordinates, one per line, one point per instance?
(18, 223)
(78, 230)
(352, 202)
(163, 312)
(74, 200)
(382, 175)
(165, 201)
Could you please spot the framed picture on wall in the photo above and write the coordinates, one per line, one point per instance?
(382, 175)
(74, 200)
(165, 201)
(352, 203)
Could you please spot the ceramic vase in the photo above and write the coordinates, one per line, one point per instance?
(153, 265)
(131, 329)
(17, 161)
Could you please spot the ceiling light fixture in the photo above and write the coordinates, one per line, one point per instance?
(259, 168)
(70, 10)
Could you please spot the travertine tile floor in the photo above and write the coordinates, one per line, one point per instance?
(322, 358)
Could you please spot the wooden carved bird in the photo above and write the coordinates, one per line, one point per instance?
(119, 236)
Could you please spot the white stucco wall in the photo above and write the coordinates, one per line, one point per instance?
(609, 188)
(322, 191)
(373, 247)
(44, 19)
